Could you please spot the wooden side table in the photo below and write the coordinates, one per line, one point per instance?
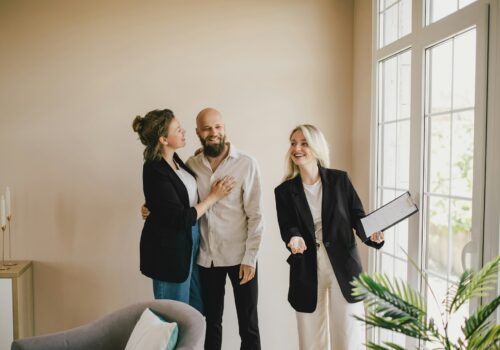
(16, 303)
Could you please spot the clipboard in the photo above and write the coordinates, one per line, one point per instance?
(390, 214)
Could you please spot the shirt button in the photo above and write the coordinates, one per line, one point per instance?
(327, 244)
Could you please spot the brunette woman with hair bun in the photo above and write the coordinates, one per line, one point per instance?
(170, 237)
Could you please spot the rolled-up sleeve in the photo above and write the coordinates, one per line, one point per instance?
(357, 213)
(252, 204)
(286, 219)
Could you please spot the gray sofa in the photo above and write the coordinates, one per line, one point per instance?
(112, 331)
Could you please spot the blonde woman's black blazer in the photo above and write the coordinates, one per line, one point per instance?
(166, 240)
(341, 213)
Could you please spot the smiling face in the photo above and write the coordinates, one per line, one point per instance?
(210, 130)
(176, 136)
(300, 152)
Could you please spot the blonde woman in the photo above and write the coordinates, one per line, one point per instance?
(318, 209)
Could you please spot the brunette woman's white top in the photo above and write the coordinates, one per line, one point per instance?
(314, 196)
(190, 182)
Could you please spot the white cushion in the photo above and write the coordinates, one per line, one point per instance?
(153, 333)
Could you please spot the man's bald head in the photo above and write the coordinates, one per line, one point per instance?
(208, 113)
(211, 132)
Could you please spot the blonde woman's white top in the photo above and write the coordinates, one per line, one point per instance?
(314, 196)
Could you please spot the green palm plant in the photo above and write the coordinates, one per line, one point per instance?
(395, 306)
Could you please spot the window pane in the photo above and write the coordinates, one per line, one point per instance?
(387, 196)
(441, 8)
(387, 263)
(462, 154)
(464, 3)
(437, 9)
(394, 20)
(390, 89)
(394, 114)
(404, 84)
(390, 25)
(436, 303)
(456, 321)
(390, 244)
(395, 88)
(437, 244)
(439, 154)
(389, 142)
(387, 3)
(436, 294)
(402, 155)
(404, 18)
(440, 70)
(461, 225)
(400, 240)
(393, 267)
(464, 63)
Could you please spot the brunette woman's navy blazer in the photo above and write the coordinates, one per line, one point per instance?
(341, 212)
(166, 240)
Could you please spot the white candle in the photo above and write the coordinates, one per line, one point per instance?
(8, 207)
(3, 219)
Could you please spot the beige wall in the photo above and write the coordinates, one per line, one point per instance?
(73, 76)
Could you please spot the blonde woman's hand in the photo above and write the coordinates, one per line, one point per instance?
(377, 237)
(297, 245)
(145, 212)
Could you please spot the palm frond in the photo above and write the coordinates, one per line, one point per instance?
(451, 293)
(462, 345)
(489, 339)
(477, 319)
(392, 299)
(403, 325)
(373, 346)
(472, 285)
(389, 346)
(394, 346)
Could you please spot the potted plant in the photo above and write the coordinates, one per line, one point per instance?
(395, 306)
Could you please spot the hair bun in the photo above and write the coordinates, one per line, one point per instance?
(137, 124)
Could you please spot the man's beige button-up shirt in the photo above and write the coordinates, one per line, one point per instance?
(231, 230)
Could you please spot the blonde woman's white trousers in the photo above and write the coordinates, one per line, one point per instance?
(331, 326)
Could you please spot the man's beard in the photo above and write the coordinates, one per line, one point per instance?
(213, 150)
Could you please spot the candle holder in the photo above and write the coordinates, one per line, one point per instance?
(9, 262)
(3, 267)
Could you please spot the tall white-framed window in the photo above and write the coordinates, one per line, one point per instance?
(430, 112)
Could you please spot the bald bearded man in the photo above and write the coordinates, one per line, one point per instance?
(231, 231)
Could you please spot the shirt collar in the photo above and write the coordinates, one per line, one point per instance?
(233, 151)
